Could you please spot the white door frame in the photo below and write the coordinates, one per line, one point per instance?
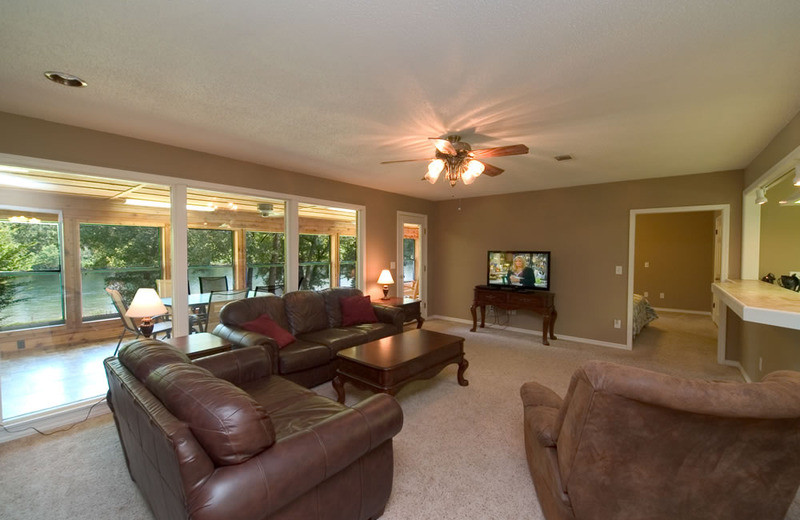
(726, 227)
(421, 220)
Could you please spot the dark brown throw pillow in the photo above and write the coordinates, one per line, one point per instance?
(227, 422)
(357, 310)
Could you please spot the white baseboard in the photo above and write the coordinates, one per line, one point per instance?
(534, 332)
(738, 365)
(50, 422)
(684, 311)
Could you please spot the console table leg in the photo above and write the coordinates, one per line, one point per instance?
(462, 367)
(338, 385)
(474, 318)
(553, 325)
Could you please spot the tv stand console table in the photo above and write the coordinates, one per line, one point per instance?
(542, 302)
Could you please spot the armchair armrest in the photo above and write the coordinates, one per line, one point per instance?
(239, 366)
(534, 394)
(298, 463)
(392, 315)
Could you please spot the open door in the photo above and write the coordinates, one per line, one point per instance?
(412, 234)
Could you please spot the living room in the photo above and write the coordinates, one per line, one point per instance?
(586, 225)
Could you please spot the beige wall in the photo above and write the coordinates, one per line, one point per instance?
(678, 249)
(779, 147)
(42, 139)
(779, 251)
(773, 348)
(585, 227)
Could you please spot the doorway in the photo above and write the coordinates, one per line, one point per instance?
(412, 260)
(721, 224)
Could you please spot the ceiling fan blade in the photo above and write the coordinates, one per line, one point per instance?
(491, 171)
(500, 151)
(405, 160)
(444, 146)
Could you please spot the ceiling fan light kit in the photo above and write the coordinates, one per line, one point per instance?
(458, 160)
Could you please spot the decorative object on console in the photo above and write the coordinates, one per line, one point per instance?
(386, 279)
(458, 160)
(145, 305)
(790, 281)
(769, 278)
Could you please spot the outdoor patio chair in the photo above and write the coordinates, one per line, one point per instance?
(216, 301)
(128, 325)
(213, 283)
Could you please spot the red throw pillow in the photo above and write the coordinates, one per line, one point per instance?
(267, 326)
(356, 310)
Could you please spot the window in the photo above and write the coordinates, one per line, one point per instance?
(348, 247)
(124, 258)
(409, 259)
(210, 254)
(31, 293)
(315, 261)
(266, 260)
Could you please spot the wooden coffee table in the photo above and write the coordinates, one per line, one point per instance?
(387, 364)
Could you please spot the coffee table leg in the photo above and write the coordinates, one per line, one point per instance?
(462, 367)
(338, 385)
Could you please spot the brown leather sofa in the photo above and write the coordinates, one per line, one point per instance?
(627, 443)
(315, 319)
(222, 438)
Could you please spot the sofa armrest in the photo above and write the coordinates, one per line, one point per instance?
(239, 366)
(240, 337)
(297, 463)
(391, 315)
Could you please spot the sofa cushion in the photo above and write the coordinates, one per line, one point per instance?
(305, 311)
(375, 331)
(248, 309)
(230, 425)
(336, 339)
(332, 304)
(145, 355)
(357, 310)
(302, 355)
(267, 326)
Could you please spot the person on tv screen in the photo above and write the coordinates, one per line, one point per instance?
(520, 273)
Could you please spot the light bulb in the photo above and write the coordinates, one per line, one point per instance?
(434, 169)
(468, 178)
(474, 168)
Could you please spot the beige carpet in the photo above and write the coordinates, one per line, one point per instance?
(460, 454)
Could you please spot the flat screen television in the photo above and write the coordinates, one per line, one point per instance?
(519, 269)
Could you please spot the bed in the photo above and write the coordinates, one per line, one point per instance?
(643, 313)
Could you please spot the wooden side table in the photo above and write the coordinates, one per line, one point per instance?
(411, 308)
(200, 344)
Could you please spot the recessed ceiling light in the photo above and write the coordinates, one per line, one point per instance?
(67, 80)
(566, 157)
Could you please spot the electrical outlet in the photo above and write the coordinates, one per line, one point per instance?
(646, 294)
(617, 324)
(647, 264)
(661, 295)
(513, 312)
(618, 269)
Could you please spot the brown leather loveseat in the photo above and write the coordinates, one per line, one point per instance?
(222, 438)
(627, 443)
(314, 319)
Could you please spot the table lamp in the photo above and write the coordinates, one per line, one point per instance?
(385, 278)
(145, 305)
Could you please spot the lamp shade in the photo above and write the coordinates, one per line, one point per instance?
(385, 277)
(146, 304)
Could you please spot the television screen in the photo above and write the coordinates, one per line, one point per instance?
(523, 269)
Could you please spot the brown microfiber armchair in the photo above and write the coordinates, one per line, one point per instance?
(627, 443)
(222, 438)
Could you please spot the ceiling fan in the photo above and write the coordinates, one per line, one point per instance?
(459, 161)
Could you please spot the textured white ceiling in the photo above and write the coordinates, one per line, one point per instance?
(632, 89)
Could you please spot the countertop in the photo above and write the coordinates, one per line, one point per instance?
(760, 302)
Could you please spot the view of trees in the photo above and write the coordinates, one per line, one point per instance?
(348, 248)
(128, 256)
(265, 257)
(16, 256)
(315, 261)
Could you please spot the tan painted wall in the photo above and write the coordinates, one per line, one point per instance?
(776, 347)
(42, 139)
(585, 227)
(779, 147)
(679, 251)
(780, 231)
